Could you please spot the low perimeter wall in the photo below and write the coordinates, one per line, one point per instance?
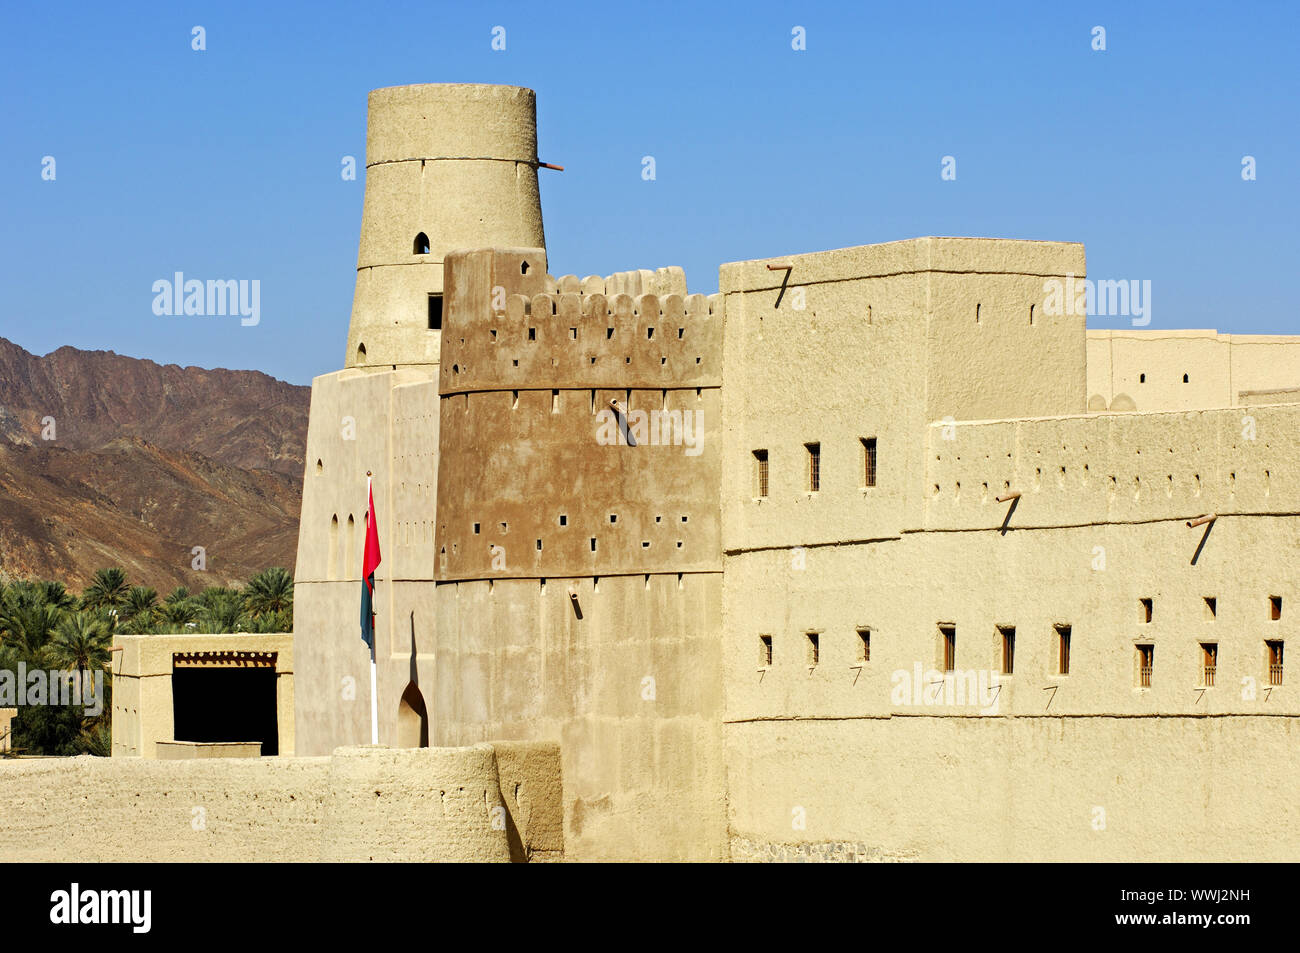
(489, 802)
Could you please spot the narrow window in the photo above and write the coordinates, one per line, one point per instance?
(1145, 660)
(532, 334)
(1184, 378)
(765, 651)
(1275, 607)
(1274, 647)
(814, 648)
(435, 312)
(1031, 315)
(1142, 378)
(948, 645)
(1144, 610)
(564, 520)
(421, 244)
(1211, 608)
(868, 461)
(864, 645)
(1209, 662)
(814, 466)
(1063, 650)
(1008, 634)
(760, 473)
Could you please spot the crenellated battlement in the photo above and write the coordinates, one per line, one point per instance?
(501, 334)
(1113, 468)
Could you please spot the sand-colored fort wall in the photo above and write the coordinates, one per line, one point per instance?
(919, 330)
(360, 804)
(1021, 789)
(1186, 369)
(1114, 467)
(627, 681)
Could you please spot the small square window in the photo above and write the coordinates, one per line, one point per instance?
(1209, 663)
(814, 466)
(868, 461)
(760, 473)
(1273, 648)
(1007, 636)
(1063, 650)
(948, 647)
(1146, 655)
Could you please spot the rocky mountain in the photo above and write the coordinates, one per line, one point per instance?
(110, 460)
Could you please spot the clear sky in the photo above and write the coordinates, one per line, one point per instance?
(226, 163)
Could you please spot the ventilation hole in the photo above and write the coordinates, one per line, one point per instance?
(523, 268)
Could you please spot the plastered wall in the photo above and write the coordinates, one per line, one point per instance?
(360, 804)
(1022, 789)
(1148, 368)
(631, 691)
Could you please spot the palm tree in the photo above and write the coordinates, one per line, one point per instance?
(108, 590)
(223, 612)
(269, 591)
(26, 626)
(179, 594)
(80, 643)
(141, 604)
(176, 616)
(56, 594)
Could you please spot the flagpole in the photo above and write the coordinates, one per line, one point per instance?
(374, 691)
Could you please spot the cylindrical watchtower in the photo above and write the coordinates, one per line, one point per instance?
(447, 166)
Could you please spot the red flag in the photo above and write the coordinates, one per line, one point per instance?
(371, 559)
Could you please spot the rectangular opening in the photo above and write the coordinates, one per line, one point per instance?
(1062, 650)
(948, 647)
(765, 651)
(1273, 648)
(814, 648)
(760, 473)
(532, 334)
(864, 645)
(1209, 662)
(1275, 607)
(1146, 655)
(868, 461)
(226, 704)
(1007, 635)
(435, 313)
(1144, 610)
(814, 466)
(1211, 608)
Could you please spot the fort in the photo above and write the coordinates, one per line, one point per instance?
(908, 473)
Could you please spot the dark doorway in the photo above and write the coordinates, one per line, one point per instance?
(226, 704)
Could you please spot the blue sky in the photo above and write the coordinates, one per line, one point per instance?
(225, 163)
